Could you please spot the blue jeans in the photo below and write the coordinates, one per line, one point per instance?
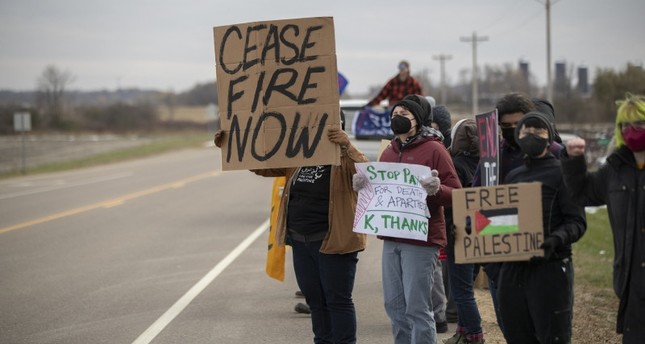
(438, 296)
(327, 281)
(462, 291)
(407, 282)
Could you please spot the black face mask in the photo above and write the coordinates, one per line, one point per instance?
(533, 145)
(509, 136)
(400, 125)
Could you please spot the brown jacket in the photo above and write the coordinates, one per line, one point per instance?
(340, 238)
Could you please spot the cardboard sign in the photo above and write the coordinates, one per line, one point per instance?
(498, 223)
(488, 148)
(394, 202)
(277, 85)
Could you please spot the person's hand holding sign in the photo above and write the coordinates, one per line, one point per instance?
(431, 183)
(339, 137)
(359, 181)
(219, 136)
(550, 245)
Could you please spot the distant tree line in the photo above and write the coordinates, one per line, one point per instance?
(53, 106)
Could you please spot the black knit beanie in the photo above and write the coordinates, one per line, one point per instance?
(425, 105)
(414, 108)
(545, 107)
(535, 119)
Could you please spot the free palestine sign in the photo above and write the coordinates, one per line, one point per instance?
(498, 223)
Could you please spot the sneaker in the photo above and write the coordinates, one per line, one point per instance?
(442, 327)
(456, 339)
(302, 308)
(299, 294)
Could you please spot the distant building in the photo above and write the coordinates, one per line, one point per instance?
(561, 82)
(583, 80)
(525, 74)
(524, 69)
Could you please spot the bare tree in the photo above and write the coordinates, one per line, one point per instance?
(51, 93)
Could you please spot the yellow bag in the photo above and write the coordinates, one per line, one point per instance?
(275, 253)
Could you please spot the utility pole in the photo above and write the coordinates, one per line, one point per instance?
(549, 82)
(442, 60)
(474, 40)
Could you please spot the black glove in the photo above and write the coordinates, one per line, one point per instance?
(549, 246)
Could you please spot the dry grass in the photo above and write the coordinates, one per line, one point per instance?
(196, 114)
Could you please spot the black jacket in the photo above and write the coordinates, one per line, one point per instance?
(621, 186)
(561, 217)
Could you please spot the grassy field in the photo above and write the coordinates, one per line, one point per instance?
(595, 302)
(594, 253)
(159, 143)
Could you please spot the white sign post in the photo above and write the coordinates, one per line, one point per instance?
(394, 202)
(22, 124)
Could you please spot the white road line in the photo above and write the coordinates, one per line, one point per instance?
(161, 323)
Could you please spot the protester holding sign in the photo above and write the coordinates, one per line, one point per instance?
(510, 110)
(438, 123)
(536, 297)
(315, 217)
(620, 184)
(408, 264)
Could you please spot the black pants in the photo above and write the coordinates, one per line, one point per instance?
(327, 280)
(536, 301)
(634, 316)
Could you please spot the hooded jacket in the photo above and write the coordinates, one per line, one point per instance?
(561, 216)
(441, 116)
(546, 108)
(465, 157)
(465, 150)
(426, 149)
(621, 186)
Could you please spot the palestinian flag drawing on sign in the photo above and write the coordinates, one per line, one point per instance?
(496, 221)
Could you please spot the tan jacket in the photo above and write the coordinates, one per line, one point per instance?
(340, 238)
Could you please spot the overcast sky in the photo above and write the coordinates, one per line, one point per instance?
(168, 45)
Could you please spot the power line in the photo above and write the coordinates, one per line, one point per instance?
(509, 12)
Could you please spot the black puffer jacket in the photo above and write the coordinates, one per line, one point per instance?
(561, 217)
(621, 186)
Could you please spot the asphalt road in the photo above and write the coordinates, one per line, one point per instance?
(168, 249)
